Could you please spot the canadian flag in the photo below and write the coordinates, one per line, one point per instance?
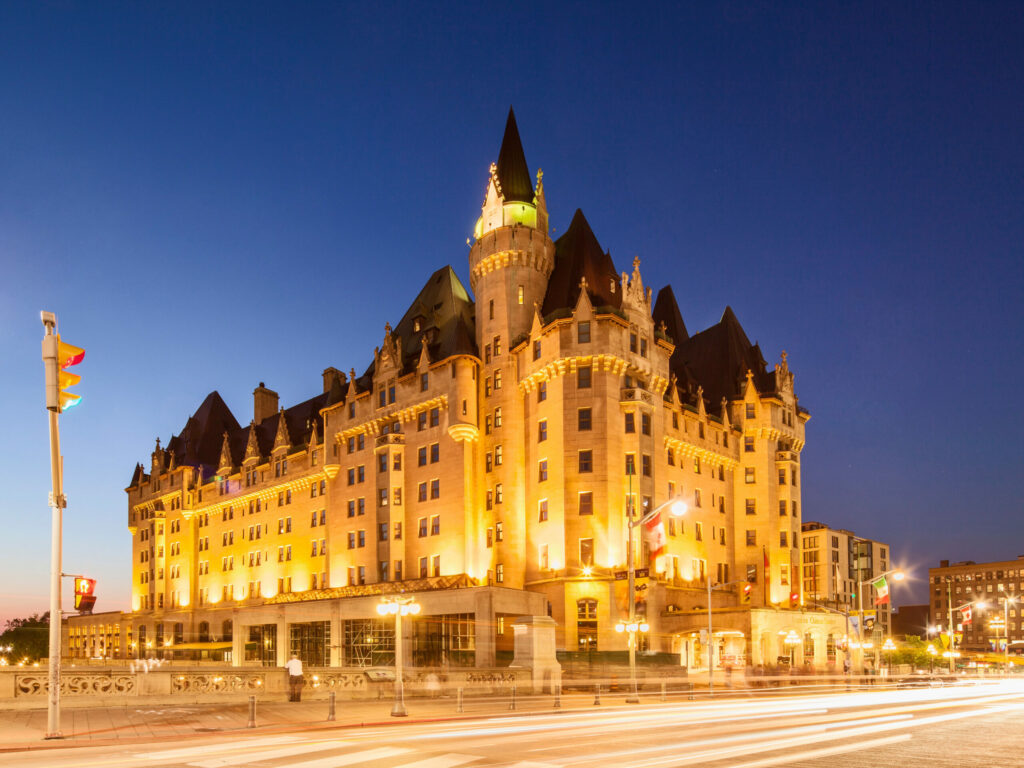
(656, 537)
(965, 614)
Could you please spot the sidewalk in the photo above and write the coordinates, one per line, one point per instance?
(23, 729)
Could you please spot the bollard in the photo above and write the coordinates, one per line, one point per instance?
(663, 691)
(330, 706)
(558, 697)
(690, 697)
(512, 701)
(597, 694)
(252, 712)
(458, 707)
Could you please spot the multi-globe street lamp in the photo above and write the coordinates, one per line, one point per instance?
(897, 575)
(676, 508)
(398, 606)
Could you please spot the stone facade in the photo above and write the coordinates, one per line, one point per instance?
(487, 461)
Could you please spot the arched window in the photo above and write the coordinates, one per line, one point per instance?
(586, 624)
(204, 631)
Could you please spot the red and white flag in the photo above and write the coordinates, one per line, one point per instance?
(965, 615)
(656, 537)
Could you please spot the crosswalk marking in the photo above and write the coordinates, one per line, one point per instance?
(270, 754)
(363, 756)
(205, 749)
(450, 760)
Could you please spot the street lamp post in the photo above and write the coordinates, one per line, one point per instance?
(398, 606)
(949, 599)
(897, 575)
(1006, 632)
(676, 508)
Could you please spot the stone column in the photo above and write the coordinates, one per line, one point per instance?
(534, 638)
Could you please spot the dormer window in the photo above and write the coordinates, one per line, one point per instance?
(416, 325)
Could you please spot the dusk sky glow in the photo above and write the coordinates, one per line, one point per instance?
(210, 196)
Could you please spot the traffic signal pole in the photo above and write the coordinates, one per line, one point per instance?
(57, 524)
(52, 369)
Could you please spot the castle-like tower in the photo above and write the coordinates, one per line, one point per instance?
(488, 461)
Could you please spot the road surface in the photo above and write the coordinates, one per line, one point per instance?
(954, 727)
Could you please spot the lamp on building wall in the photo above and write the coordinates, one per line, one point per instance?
(398, 606)
(676, 508)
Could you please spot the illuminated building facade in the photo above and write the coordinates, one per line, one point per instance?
(835, 561)
(486, 460)
(987, 587)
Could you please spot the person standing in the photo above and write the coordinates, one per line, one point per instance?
(295, 679)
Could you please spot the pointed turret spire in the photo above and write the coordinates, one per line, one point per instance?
(513, 172)
(283, 438)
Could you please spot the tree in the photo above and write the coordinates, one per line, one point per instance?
(28, 638)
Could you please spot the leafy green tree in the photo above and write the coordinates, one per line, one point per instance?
(28, 638)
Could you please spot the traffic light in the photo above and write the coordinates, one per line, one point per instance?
(794, 599)
(58, 356)
(745, 592)
(84, 597)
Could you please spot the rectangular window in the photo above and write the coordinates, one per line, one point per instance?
(645, 465)
(382, 463)
(497, 417)
(424, 382)
(586, 552)
(583, 333)
(497, 345)
(536, 350)
(497, 379)
(542, 391)
(748, 445)
(422, 492)
(749, 410)
(542, 510)
(751, 538)
(423, 568)
(498, 456)
(490, 537)
(630, 422)
(586, 503)
(542, 430)
(435, 453)
(751, 507)
(782, 508)
(435, 489)
(421, 421)
(520, 297)
(748, 475)
(421, 456)
(435, 563)
(435, 417)
(499, 531)
(398, 531)
(435, 525)
(645, 423)
(782, 477)
(542, 470)
(499, 495)
(699, 531)
(630, 464)
(783, 539)
(583, 419)
(586, 461)
(584, 377)
(422, 527)
(499, 573)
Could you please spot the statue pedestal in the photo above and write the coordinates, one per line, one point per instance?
(534, 649)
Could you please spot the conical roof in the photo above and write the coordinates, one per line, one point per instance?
(666, 310)
(513, 172)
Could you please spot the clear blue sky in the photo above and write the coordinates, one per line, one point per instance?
(213, 195)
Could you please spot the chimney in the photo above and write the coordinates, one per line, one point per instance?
(943, 563)
(264, 403)
(330, 376)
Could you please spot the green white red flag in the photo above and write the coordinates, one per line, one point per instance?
(881, 591)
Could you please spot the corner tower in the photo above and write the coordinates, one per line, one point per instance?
(512, 256)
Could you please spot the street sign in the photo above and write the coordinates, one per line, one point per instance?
(642, 573)
(621, 575)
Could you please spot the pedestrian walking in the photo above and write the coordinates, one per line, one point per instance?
(295, 679)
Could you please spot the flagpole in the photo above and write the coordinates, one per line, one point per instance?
(767, 565)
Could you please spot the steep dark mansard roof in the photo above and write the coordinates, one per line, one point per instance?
(513, 172)
(719, 358)
(447, 320)
(199, 443)
(579, 255)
